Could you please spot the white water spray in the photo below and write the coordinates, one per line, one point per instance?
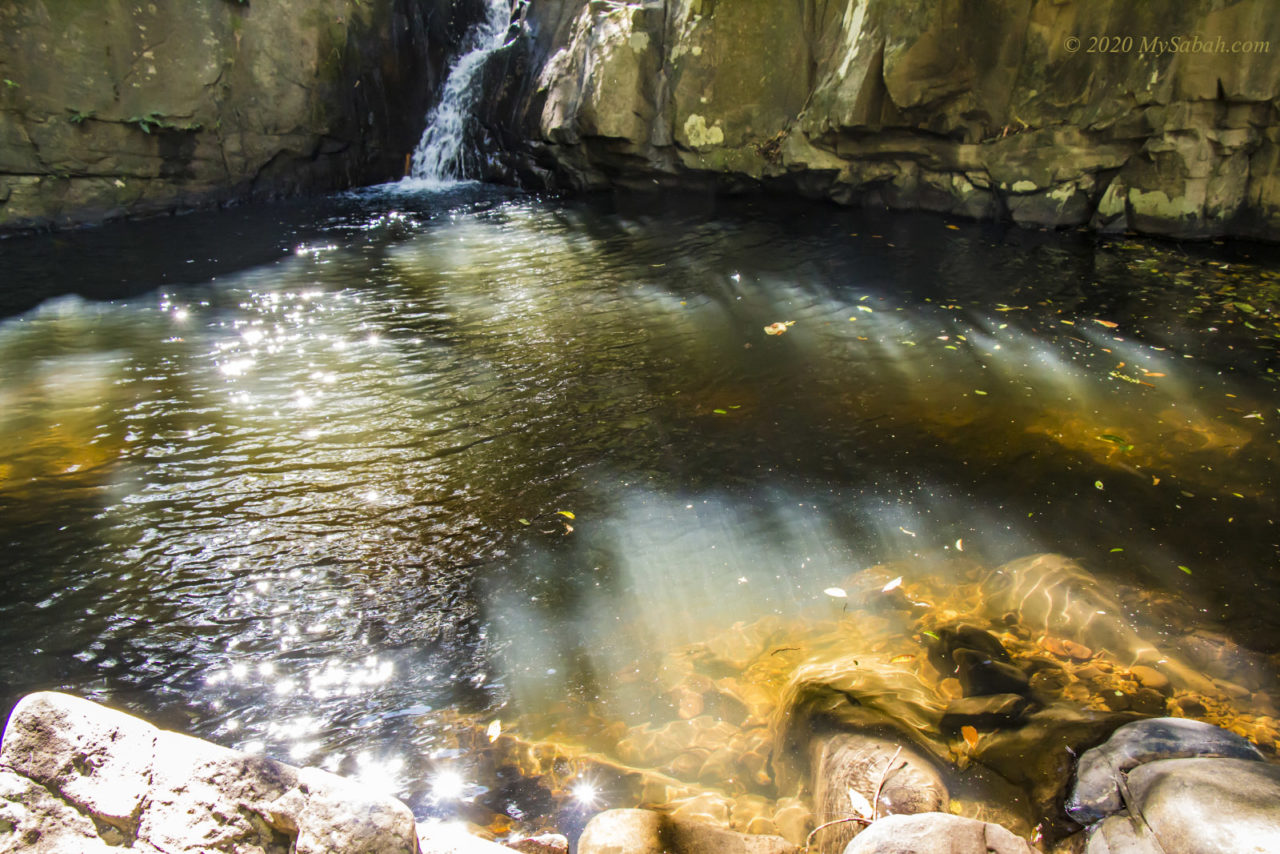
(440, 157)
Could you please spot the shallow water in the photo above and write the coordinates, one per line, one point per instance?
(325, 480)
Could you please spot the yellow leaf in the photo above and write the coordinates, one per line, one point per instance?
(566, 514)
(970, 735)
(899, 659)
(1107, 323)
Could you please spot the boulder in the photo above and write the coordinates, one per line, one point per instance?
(78, 776)
(856, 773)
(1097, 790)
(1209, 806)
(936, 833)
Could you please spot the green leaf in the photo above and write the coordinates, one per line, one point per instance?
(720, 411)
(1097, 484)
(1184, 569)
(523, 521)
(1113, 551)
(930, 634)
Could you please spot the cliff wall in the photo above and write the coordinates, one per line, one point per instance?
(117, 107)
(1156, 117)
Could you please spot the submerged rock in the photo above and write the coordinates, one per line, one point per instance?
(936, 833)
(1099, 776)
(872, 776)
(75, 776)
(632, 831)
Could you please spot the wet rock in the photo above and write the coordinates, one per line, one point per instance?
(793, 819)
(139, 785)
(706, 808)
(1097, 790)
(886, 774)
(989, 712)
(624, 832)
(1209, 806)
(936, 833)
(1149, 677)
(543, 843)
(1067, 649)
(627, 831)
(691, 837)
(950, 639)
(981, 675)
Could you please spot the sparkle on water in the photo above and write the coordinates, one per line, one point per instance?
(481, 453)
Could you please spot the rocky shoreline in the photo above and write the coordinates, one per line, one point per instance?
(75, 776)
(972, 710)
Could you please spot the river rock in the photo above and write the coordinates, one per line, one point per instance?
(981, 675)
(631, 831)
(854, 772)
(989, 712)
(542, 843)
(73, 770)
(1097, 789)
(1209, 806)
(952, 638)
(936, 833)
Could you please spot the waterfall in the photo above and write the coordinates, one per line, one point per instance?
(440, 157)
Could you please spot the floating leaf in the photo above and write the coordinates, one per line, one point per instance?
(929, 634)
(868, 309)
(1097, 484)
(494, 730)
(836, 592)
(953, 227)
(970, 735)
(720, 411)
(959, 545)
(1107, 323)
(1115, 550)
(566, 514)
(859, 805)
(1184, 569)
(980, 392)
(523, 521)
(1152, 374)
(893, 585)
(779, 327)
(900, 659)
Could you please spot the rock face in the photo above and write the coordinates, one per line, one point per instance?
(75, 776)
(114, 108)
(1120, 116)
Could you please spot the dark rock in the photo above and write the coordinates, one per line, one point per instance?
(989, 712)
(981, 675)
(1097, 790)
(936, 833)
(951, 639)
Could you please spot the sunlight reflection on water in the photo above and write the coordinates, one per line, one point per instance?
(305, 507)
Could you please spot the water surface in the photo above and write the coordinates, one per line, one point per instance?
(319, 479)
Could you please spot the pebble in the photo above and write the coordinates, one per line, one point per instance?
(1149, 677)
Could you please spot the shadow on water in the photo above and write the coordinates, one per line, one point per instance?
(345, 481)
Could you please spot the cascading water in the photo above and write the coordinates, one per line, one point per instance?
(441, 156)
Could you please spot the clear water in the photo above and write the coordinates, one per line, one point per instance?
(334, 481)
